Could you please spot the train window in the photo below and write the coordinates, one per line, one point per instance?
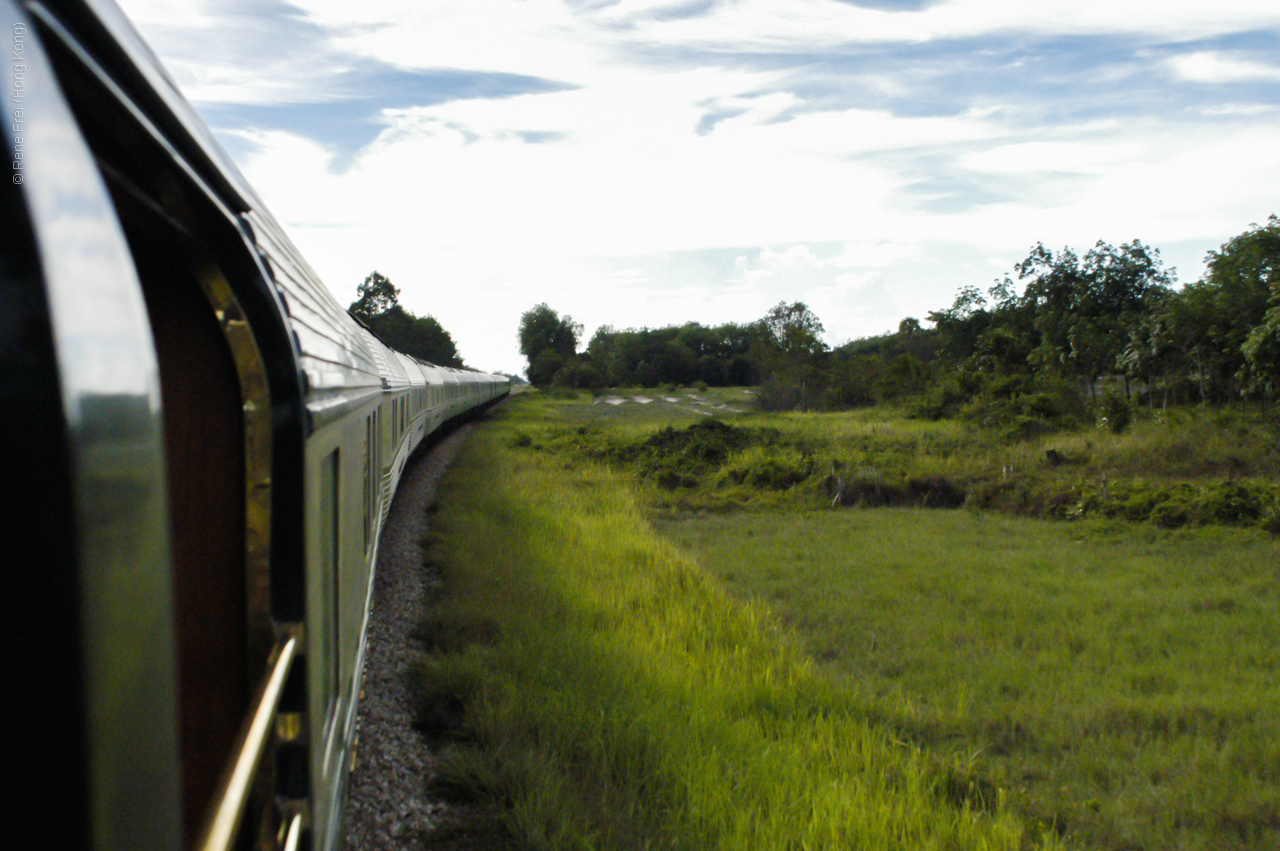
(329, 560)
(369, 437)
(372, 474)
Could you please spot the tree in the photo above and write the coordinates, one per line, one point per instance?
(1262, 354)
(378, 307)
(1150, 352)
(1245, 277)
(794, 329)
(1122, 286)
(788, 355)
(1086, 311)
(544, 331)
(960, 325)
(422, 337)
(375, 297)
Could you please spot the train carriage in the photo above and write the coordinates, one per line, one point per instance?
(205, 447)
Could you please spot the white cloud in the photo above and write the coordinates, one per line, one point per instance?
(1214, 67)
(809, 24)
(1080, 157)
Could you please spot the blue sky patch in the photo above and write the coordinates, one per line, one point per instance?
(347, 113)
(1036, 80)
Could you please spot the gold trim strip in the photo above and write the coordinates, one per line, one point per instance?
(256, 397)
(220, 833)
(295, 834)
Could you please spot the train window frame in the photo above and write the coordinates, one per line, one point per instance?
(330, 563)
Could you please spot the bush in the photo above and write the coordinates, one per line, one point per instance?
(1116, 412)
(1173, 514)
(777, 395)
(545, 367)
(1271, 520)
(941, 400)
(580, 373)
(767, 468)
(1229, 503)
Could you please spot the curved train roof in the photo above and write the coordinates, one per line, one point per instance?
(338, 356)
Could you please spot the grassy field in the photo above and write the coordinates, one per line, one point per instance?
(656, 632)
(1119, 681)
(1184, 468)
(598, 690)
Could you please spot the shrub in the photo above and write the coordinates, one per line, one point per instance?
(941, 400)
(1173, 514)
(778, 395)
(1139, 506)
(1230, 503)
(1271, 520)
(580, 374)
(1026, 428)
(1116, 413)
(768, 468)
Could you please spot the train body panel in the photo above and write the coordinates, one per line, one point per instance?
(224, 443)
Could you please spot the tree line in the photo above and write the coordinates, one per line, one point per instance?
(377, 307)
(1060, 335)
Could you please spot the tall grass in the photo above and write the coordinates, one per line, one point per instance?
(601, 692)
(1119, 681)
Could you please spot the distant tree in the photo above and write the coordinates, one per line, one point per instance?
(1150, 353)
(1085, 311)
(378, 306)
(423, 337)
(544, 367)
(789, 357)
(1245, 277)
(1124, 284)
(794, 329)
(1257, 255)
(960, 325)
(375, 297)
(1262, 354)
(544, 334)
(579, 373)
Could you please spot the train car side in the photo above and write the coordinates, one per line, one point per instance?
(218, 445)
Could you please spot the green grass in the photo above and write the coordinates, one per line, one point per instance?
(598, 690)
(613, 667)
(1119, 680)
(1187, 467)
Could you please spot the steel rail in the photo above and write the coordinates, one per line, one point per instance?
(233, 796)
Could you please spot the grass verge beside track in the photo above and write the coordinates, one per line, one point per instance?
(600, 691)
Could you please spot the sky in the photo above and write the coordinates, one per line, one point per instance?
(643, 163)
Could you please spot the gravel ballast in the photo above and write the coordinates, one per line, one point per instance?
(389, 807)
